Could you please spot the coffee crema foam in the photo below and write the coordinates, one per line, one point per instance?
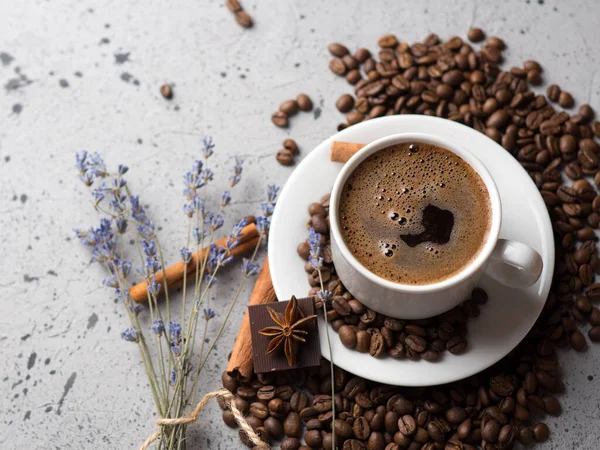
(415, 213)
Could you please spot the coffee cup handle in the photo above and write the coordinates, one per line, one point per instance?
(515, 264)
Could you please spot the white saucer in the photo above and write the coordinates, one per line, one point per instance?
(504, 320)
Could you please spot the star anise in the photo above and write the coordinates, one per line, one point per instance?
(287, 332)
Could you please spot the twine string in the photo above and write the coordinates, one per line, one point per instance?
(226, 395)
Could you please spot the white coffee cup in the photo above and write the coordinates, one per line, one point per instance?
(511, 263)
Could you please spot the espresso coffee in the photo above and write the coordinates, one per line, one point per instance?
(415, 213)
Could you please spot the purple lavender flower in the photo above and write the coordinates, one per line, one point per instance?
(208, 314)
(158, 327)
(90, 167)
(99, 193)
(207, 147)
(173, 378)
(154, 287)
(237, 172)
(314, 241)
(199, 234)
(236, 233)
(137, 308)
(249, 268)
(324, 295)
(225, 199)
(196, 205)
(262, 225)
(123, 169)
(124, 267)
(267, 207)
(272, 192)
(186, 255)
(174, 332)
(149, 247)
(210, 280)
(146, 230)
(111, 282)
(130, 335)
(215, 222)
(137, 210)
(121, 224)
(151, 265)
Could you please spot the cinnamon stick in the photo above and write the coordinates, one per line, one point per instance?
(343, 151)
(174, 273)
(241, 365)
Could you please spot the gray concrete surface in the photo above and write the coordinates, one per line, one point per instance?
(85, 75)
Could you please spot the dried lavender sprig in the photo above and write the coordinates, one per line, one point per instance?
(249, 268)
(314, 242)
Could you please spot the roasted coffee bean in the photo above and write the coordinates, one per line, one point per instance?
(277, 408)
(244, 19)
(553, 92)
(407, 425)
(490, 431)
(289, 107)
(363, 341)
(233, 5)
(362, 54)
(476, 35)
(566, 100)
(416, 343)
(166, 90)
(229, 382)
(280, 119)
(274, 427)
(540, 432)
(594, 333)
(290, 144)
(290, 443)
(388, 41)
(377, 345)
(229, 419)
(345, 103)
(337, 66)
(246, 392)
(353, 444)
(304, 102)
(337, 49)
(578, 341)
(347, 336)
(265, 393)
(378, 421)
(299, 401)
(343, 430)
(435, 431)
(254, 422)
(292, 425)
(457, 345)
(313, 438)
(456, 415)
(376, 441)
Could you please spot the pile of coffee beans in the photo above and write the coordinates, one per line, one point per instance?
(504, 404)
(453, 80)
(289, 108)
(491, 411)
(367, 331)
(287, 155)
(241, 16)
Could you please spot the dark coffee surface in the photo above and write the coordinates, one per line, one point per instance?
(415, 213)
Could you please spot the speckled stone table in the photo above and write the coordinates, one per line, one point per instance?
(86, 75)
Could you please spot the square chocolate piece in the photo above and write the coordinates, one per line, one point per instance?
(309, 352)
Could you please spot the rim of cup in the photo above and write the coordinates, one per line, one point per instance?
(463, 153)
